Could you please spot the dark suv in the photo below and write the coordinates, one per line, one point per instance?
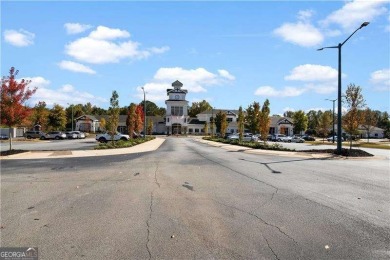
(33, 134)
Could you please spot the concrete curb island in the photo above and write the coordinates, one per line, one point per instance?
(140, 148)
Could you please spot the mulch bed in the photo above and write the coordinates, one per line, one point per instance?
(344, 152)
(5, 153)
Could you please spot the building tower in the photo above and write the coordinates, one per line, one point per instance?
(177, 109)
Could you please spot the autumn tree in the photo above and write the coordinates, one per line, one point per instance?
(131, 119)
(139, 121)
(14, 95)
(113, 115)
(252, 117)
(312, 120)
(324, 124)
(288, 114)
(206, 128)
(355, 101)
(300, 121)
(198, 107)
(40, 114)
(149, 128)
(224, 124)
(57, 118)
(264, 120)
(369, 121)
(241, 123)
(102, 123)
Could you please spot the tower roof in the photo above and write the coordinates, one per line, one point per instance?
(177, 84)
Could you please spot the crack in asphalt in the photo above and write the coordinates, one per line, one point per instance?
(273, 252)
(259, 218)
(151, 212)
(148, 225)
(233, 170)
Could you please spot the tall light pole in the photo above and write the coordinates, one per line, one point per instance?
(72, 115)
(333, 100)
(339, 86)
(143, 89)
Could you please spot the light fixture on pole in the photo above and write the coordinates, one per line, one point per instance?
(333, 100)
(339, 85)
(143, 89)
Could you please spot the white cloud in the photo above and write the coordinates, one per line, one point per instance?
(62, 95)
(305, 15)
(75, 28)
(321, 79)
(354, 13)
(381, 79)
(194, 80)
(303, 34)
(269, 91)
(311, 72)
(105, 33)
(21, 38)
(100, 48)
(75, 67)
(226, 74)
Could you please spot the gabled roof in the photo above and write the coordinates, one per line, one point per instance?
(86, 117)
(177, 84)
(216, 111)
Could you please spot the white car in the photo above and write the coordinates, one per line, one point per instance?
(297, 139)
(286, 139)
(104, 138)
(80, 135)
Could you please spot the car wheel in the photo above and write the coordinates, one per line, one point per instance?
(28, 137)
(57, 138)
(102, 140)
(42, 138)
(124, 139)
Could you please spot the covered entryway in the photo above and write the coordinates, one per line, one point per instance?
(176, 129)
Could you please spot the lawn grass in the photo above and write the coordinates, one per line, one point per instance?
(382, 145)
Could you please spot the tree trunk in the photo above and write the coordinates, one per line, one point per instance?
(368, 136)
(10, 138)
(350, 143)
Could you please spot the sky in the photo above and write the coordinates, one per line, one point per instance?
(229, 53)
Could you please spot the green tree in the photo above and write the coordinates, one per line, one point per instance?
(324, 124)
(40, 114)
(288, 114)
(241, 123)
(98, 111)
(218, 121)
(57, 118)
(355, 101)
(198, 107)
(252, 117)
(300, 121)
(264, 120)
(313, 118)
(152, 109)
(384, 123)
(113, 115)
(87, 108)
(370, 119)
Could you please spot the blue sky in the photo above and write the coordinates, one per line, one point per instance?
(228, 53)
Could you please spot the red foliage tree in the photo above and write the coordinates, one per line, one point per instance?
(139, 122)
(14, 94)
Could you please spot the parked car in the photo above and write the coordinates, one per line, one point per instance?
(3, 137)
(71, 135)
(297, 139)
(286, 139)
(79, 134)
(330, 139)
(33, 134)
(308, 138)
(54, 135)
(277, 137)
(105, 137)
(247, 137)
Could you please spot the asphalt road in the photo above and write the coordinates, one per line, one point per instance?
(188, 200)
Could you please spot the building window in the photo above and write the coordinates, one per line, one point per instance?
(168, 119)
(196, 130)
(229, 119)
(190, 130)
(177, 111)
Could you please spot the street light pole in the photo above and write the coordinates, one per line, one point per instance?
(333, 100)
(72, 115)
(144, 113)
(339, 85)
